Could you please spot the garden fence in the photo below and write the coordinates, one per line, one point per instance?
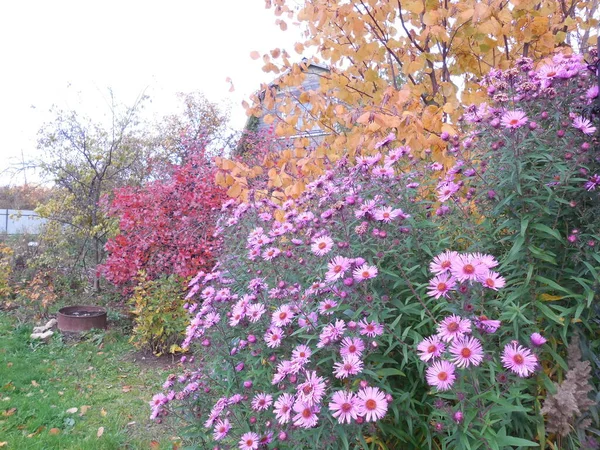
(14, 221)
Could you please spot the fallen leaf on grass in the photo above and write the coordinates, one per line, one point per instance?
(36, 432)
(9, 365)
(100, 431)
(34, 383)
(9, 412)
(126, 388)
(84, 409)
(154, 445)
(71, 410)
(54, 431)
(103, 412)
(2, 444)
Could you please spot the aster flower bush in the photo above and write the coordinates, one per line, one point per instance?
(400, 303)
(534, 157)
(308, 326)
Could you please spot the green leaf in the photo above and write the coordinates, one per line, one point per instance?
(552, 284)
(503, 440)
(389, 371)
(514, 251)
(546, 229)
(549, 313)
(541, 254)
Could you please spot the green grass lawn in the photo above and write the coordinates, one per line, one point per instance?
(97, 373)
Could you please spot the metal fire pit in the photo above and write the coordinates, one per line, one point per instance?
(81, 318)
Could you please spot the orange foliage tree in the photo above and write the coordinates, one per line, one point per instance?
(403, 67)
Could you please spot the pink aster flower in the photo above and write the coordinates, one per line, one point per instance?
(249, 441)
(283, 408)
(322, 245)
(482, 258)
(513, 119)
(537, 339)
(383, 172)
(271, 253)
(592, 92)
(440, 285)
(370, 329)
(255, 311)
(282, 316)
(371, 403)
(326, 306)
(592, 183)
(365, 272)
(442, 262)
(452, 327)
(492, 280)
(441, 375)
(387, 214)
(465, 268)
(466, 351)
(273, 337)
(446, 189)
(306, 415)
(485, 325)
(261, 401)
(312, 390)
(389, 138)
(331, 333)
(337, 268)
(519, 359)
(350, 365)
(344, 406)
(283, 369)
(302, 353)
(309, 320)
(430, 348)
(352, 346)
(584, 125)
(222, 427)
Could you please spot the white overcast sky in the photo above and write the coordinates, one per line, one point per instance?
(68, 53)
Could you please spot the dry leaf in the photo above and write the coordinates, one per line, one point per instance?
(84, 409)
(9, 412)
(100, 431)
(71, 410)
(34, 383)
(54, 431)
(103, 412)
(2, 444)
(9, 365)
(36, 432)
(61, 393)
(126, 388)
(154, 445)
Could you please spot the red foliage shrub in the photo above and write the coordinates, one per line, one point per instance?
(167, 226)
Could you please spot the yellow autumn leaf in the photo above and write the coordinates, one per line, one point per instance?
(550, 297)
(234, 191)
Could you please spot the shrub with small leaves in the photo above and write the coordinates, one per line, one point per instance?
(160, 319)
